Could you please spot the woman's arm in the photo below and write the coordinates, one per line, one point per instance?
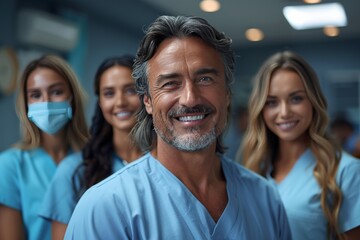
(11, 224)
(58, 230)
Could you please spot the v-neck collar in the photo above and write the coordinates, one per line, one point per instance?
(192, 204)
(305, 161)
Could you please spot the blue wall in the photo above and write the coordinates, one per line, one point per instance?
(326, 58)
(105, 39)
(9, 127)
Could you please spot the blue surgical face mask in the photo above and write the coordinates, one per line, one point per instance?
(50, 116)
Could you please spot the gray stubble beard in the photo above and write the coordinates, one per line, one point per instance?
(189, 144)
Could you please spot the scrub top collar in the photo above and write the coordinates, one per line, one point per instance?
(193, 204)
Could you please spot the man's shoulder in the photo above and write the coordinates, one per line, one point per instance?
(248, 180)
(241, 172)
(121, 185)
(130, 172)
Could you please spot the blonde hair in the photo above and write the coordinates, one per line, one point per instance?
(76, 131)
(260, 144)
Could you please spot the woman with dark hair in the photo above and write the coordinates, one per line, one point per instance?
(287, 141)
(50, 108)
(109, 149)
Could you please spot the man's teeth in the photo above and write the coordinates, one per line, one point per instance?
(191, 118)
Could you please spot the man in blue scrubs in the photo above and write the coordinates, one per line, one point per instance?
(183, 188)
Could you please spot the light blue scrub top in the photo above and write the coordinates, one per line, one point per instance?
(144, 200)
(24, 177)
(300, 193)
(60, 199)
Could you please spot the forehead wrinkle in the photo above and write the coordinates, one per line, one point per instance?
(207, 70)
(178, 58)
(171, 58)
(197, 65)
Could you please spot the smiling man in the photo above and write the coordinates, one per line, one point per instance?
(183, 188)
(188, 98)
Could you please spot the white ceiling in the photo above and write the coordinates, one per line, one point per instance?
(236, 16)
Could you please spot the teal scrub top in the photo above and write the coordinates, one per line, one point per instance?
(24, 178)
(300, 193)
(144, 200)
(60, 199)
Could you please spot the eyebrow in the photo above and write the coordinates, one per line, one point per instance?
(115, 86)
(296, 92)
(106, 88)
(291, 94)
(207, 71)
(163, 77)
(59, 84)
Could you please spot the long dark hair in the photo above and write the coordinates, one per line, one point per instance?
(97, 154)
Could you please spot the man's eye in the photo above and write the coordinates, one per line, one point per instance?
(170, 84)
(205, 80)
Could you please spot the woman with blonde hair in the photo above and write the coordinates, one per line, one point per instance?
(50, 108)
(287, 141)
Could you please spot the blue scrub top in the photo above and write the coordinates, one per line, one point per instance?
(144, 200)
(60, 199)
(24, 177)
(300, 193)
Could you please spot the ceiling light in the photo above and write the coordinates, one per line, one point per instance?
(209, 5)
(315, 16)
(312, 1)
(331, 31)
(254, 34)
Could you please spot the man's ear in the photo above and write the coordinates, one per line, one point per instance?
(148, 104)
(228, 99)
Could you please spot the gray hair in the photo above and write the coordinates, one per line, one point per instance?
(162, 28)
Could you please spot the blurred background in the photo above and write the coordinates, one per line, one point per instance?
(85, 32)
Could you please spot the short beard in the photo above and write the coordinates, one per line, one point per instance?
(192, 143)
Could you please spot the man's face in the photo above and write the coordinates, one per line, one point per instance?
(188, 94)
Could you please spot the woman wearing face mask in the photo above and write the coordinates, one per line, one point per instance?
(50, 108)
(109, 149)
(287, 141)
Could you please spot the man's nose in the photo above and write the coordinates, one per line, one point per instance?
(189, 94)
